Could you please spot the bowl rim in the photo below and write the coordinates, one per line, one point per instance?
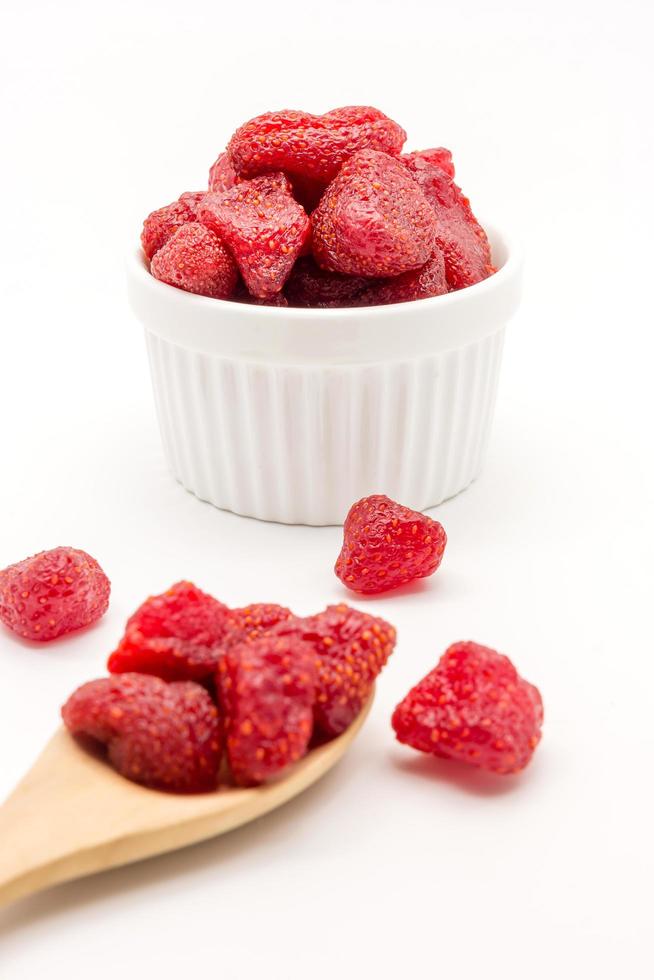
(138, 266)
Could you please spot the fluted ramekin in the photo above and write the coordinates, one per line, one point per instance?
(291, 415)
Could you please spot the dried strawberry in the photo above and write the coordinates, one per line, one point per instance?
(373, 219)
(460, 237)
(192, 199)
(53, 593)
(436, 157)
(312, 146)
(196, 260)
(474, 707)
(386, 545)
(241, 295)
(421, 283)
(175, 635)
(350, 649)
(165, 736)
(162, 224)
(309, 285)
(222, 176)
(248, 623)
(265, 228)
(277, 300)
(267, 689)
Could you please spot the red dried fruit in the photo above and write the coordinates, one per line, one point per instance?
(386, 545)
(474, 707)
(277, 300)
(192, 199)
(310, 286)
(308, 145)
(418, 284)
(373, 219)
(350, 649)
(267, 689)
(460, 237)
(53, 593)
(264, 227)
(222, 176)
(175, 635)
(241, 295)
(250, 622)
(161, 225)
(436, 157)
(196, 260)
(165, 736)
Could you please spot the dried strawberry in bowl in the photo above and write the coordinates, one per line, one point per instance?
(337, 328)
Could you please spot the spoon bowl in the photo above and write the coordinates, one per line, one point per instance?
(73, 815)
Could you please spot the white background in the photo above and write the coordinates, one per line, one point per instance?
(395, 865)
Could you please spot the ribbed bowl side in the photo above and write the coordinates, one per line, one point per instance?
(299, 444)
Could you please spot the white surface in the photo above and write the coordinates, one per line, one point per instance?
(292, 417)
(394, 865)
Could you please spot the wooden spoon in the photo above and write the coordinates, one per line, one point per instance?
(73, 815)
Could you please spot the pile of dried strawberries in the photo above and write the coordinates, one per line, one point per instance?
(321, 211)
(194, 683)
(199, 694)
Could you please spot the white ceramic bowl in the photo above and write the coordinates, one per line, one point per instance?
(291, 415)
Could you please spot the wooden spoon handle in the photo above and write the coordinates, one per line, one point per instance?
(46, 825)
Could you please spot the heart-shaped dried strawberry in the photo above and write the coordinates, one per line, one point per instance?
(313, 147)
(373, 219)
